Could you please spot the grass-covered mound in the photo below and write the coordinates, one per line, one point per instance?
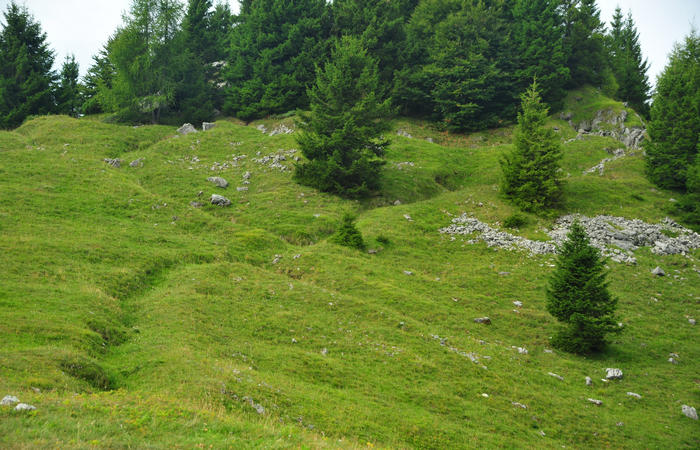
(135, 313)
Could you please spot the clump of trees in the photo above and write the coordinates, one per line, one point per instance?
(674, 129)
(460, 63)
(578, 296)
(531, 177)
(341, 135)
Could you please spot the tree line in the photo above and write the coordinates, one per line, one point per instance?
(460, 63)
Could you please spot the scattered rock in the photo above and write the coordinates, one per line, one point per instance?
(519, 405)
(658, 271)
(281, 129)
(484, 320)
(218, 181)
(504, 274)
(324, 351)
(546, 350)
(558, 377)
(246, 176)
(372, 251)
(613, 374)
(691, 321)
(589, 381)
(672, 360)
(407, 217)
(518, 303)
(276, 259)
(9, 400)
(196, 204)
(186, 129)
(262, 128)
(219, 200)
(397, 202)
(689, 412)
(429, 139)
(24, 407)
(404, 133)
(206, 126)
(136, 163)
(595, 402)
(116, 162)
(408, 272)
(294, 341)
(242, 189)
(485, 395)
(521, 350)
(637, 396)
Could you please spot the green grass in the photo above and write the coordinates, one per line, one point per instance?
(585, 102)
(146, 322)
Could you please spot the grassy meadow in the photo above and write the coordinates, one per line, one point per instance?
(132, 319)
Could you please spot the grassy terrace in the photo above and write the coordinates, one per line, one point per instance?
(131, 318)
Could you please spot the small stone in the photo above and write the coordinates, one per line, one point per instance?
(691, 321)
(402, 324)
(116, 162)
(637, 396)
(558, 377)
(246, 176)
(689, 412)
(186, 129)
(542, 433)
(408, 272)
(521, 350)
(196, 204)
(397, 202)
(220, 200)
(658, 271)
(9, 400)
(218, 181)
(613, 374)
(407, 217)
(294, 341)
(24, 407)
(372, 251)
(620, 424)
(36, 390)
(206, 126)
(242, 189)
(519, 405)
(504, 274)
(276, 259)
(324, 351)
(517, 303)
(672, 361)
(136, 163)
(595, 402)
(484, 320)
(485, 395)
(589, 381)
(546, 350)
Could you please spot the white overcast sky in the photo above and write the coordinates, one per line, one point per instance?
(81, 27)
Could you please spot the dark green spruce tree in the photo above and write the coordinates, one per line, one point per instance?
(531, 177)
(26, 75)
(98, 79)
(538, 48)
(68, 93)
(674, 129)
(628, 65)
(274, 49)
(341, 136)
(584, 43)
(578, 296)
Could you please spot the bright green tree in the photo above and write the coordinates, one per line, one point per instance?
(578, 296)
(341, 136)
(68, 100)
(531, 177)
(274, 49)
(26, 75)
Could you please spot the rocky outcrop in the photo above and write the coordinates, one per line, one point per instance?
(616, 237)
(609, 123)
(186, 129)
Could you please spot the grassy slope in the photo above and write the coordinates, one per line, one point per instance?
(147, 322)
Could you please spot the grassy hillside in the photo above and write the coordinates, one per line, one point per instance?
(132, 318)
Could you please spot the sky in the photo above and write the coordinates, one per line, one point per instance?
(81, 27)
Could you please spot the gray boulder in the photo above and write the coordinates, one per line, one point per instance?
(24, 407)
(186, 129)
(595, 402)
(635, 395)
(136, 163)
(218, 181)
(116, 162)
(689, 412)
(658, 271)
(613, 374)
(220, 200)
(484, 320)
(9, 400)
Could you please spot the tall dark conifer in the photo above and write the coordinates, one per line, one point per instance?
(68, 100)
(26, 75)
(274, 50)
(585, 43)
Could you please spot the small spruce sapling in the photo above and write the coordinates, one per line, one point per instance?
(578, 296)
(348, 235)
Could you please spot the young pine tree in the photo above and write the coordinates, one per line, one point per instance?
(341, 135)
(531, 171)
(68, 98)
(578, 296)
